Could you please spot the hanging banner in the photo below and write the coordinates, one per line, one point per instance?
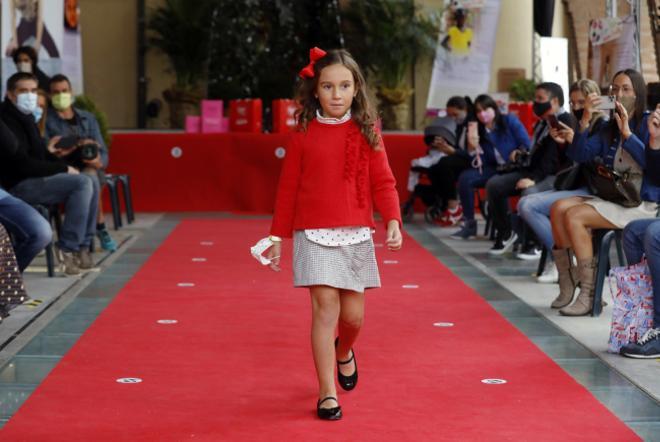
(465, 50)
(41, 24)
(612, 47)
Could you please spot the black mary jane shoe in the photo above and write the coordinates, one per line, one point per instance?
(328, 414)
(347, 382)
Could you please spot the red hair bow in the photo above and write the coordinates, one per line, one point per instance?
(314, 55)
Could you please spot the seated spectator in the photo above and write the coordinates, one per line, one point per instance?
(455, 160)
(532, 172)
(41, 111)
(620, 144)
(12, 289)
(25, 59)
(35, 174)
(66, 120)
(535, 209)
(31, 232)
(642, 238)
(492, 144)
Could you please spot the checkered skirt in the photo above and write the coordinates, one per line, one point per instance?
(350, 267)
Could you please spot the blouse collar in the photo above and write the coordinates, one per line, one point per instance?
(329, 120)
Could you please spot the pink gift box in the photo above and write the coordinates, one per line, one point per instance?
(212, 116)
(193, 124)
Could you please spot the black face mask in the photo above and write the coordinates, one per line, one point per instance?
(578, 114)
(541, 108)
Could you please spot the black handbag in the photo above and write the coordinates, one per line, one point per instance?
(568, 178)
(619, 187)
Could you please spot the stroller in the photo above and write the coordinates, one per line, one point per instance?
(419, 183)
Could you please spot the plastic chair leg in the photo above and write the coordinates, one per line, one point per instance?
(603, 267)
(128, 197)
(542, 261)
(114, 202)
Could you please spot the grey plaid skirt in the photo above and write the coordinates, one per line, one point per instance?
(350, 267)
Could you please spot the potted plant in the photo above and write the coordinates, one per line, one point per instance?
(388, 37)
(180, 29)
(522, 90)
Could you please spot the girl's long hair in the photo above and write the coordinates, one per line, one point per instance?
(639, 86)
(362, 110)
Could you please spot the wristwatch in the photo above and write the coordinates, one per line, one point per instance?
(274, 238)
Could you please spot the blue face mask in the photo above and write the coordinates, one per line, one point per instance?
(38, 113)
(26, 102)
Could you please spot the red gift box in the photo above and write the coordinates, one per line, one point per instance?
(245, 115)
(284, 115)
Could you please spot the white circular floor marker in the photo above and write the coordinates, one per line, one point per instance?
(493, 381)
(186, 284)
(167, 321)
(443, 324)
(206, 243)
(280, 152)
(176, 152)
(390, 261)
(410, 286)
(378, 244)
(129, 380)
(199, 260)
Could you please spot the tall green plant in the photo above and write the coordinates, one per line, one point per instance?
(180, 29)
(387, 36)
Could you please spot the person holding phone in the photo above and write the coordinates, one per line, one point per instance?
(620, 145)
(490, 143)
(536, 173)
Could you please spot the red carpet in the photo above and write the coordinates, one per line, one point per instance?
(237, 366)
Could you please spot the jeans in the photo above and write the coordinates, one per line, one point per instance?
(31, 232)
(535, 211)
(80, 197)
(444, 174)
(499, 188)
(642, 237)
(469, 180)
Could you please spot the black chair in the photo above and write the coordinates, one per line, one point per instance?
(602, 239)
(542, 261)
(51, 214)
(114, 182)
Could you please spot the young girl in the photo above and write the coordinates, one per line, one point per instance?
(335, 168)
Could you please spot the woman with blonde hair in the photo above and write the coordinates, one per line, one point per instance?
(534, 209)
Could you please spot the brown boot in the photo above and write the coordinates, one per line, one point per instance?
(567, 280)
(585, 300)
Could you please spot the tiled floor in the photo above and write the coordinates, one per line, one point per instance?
(36, 344)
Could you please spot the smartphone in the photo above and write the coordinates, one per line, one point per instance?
(67, 142)
(607, 102)
(472, 129)
(554, 122)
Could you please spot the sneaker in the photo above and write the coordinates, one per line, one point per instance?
(69, 262)
(468, 230)
(529, 254)
(107, 243)
(450, 218)
(647, 347)
(503, 246)
(550, 275)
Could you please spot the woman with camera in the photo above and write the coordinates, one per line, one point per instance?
(527, 172)
(618, 151)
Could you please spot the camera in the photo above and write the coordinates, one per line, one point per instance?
(522, 161)
(88, 151)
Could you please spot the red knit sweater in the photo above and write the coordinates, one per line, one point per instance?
(330, 178)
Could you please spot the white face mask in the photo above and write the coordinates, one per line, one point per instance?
(26, 102)
(24, 66)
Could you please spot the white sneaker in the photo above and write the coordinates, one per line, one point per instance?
(529, 255)
(549, 275)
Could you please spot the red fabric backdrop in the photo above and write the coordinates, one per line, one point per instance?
(221, 172)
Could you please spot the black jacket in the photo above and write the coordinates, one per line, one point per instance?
(652, 171)
(30, 158)
(545, 155)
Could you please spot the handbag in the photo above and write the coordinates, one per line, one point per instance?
(632, 313)
(12, 290)
(621, 187)
(567, 178)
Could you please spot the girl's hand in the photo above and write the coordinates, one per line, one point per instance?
(590, 103)
(654, 129)
(524, 183)
(274, 254)
(621, 116)
(394, 238)
(563, 135)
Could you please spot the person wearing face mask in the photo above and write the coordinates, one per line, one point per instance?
(65, 119)
(36, 174)
(620, 146)
(25, 59)
(40, 112)
(535, 209)
(444, 173)
(494, 142)
(536, 174)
